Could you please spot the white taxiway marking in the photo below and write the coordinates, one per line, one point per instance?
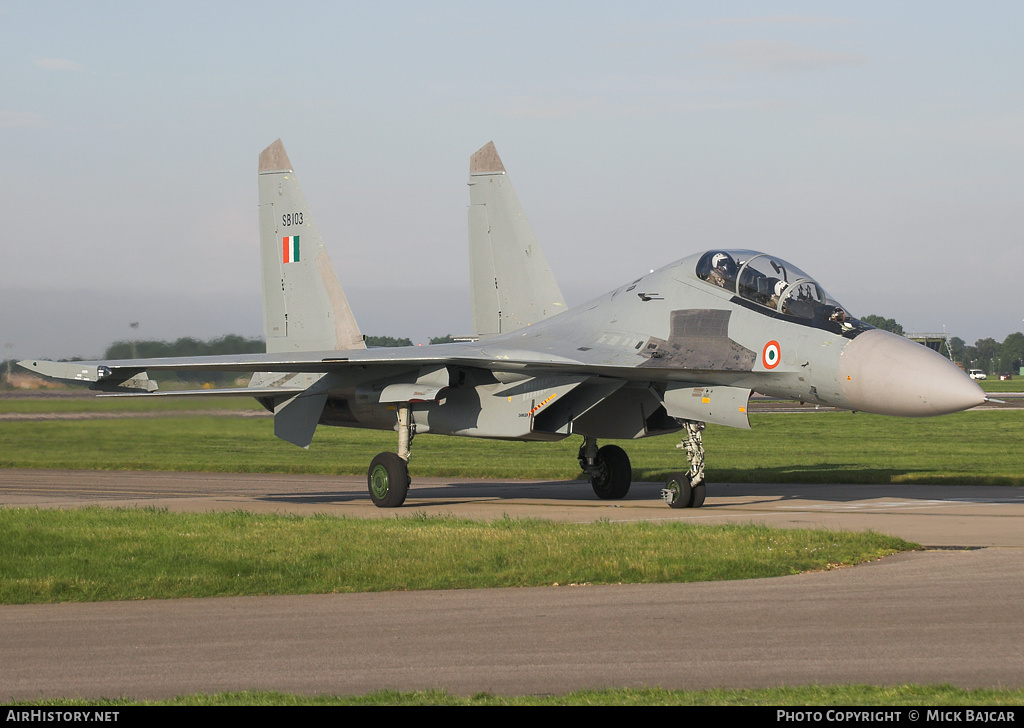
(901, 504)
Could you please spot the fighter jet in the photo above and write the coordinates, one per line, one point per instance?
(666, 352)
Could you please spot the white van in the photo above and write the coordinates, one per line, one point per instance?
(977, 374)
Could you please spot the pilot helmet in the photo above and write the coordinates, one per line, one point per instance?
(780, 286)
(724, 264)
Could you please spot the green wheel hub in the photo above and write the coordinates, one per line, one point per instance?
(379, 481)
(388, 480)
(678, 491)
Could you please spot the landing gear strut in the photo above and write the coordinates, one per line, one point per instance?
(608, 469)
(687, 489)
(388, 476)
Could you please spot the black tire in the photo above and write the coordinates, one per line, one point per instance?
(614, 475)
(697, 494)
(388, 480)
(678, 492)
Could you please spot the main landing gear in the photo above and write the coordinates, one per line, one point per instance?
(608, 469)
(388, 476)
(610, 473)
(687, 489)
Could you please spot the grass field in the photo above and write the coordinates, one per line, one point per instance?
(811, 695)
(104, 554)
(128, 405)
(1009, 385)
(96, 554)
(975, 447)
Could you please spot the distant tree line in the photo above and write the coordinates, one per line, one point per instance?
(375, 341)
(187, 346)
(883, 323)
(223, 346)
(989, 355)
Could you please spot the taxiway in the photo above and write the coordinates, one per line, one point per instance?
(950, 614)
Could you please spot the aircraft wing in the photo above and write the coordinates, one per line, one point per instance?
(132, 374)
(545, 368)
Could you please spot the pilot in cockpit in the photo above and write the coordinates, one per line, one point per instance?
(776, 289)
(723, 271)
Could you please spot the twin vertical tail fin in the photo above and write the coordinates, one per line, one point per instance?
(304, 308)
(511, 283)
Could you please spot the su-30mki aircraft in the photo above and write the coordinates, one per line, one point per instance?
(667, 352)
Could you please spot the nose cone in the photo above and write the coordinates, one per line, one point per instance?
(889, 375)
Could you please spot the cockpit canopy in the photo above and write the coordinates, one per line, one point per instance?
(771, 283)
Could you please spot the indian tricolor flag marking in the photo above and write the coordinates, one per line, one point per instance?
(290, 248)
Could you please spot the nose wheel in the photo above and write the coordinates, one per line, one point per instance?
(679, 493)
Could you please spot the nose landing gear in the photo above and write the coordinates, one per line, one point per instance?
(687, 489)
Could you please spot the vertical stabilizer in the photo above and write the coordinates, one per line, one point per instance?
(304, 308)
(511, 283)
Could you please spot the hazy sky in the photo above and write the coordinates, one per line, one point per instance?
(877, 145)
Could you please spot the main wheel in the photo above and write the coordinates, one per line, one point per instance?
(614, 475)
(677, 492)
(388, 480)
